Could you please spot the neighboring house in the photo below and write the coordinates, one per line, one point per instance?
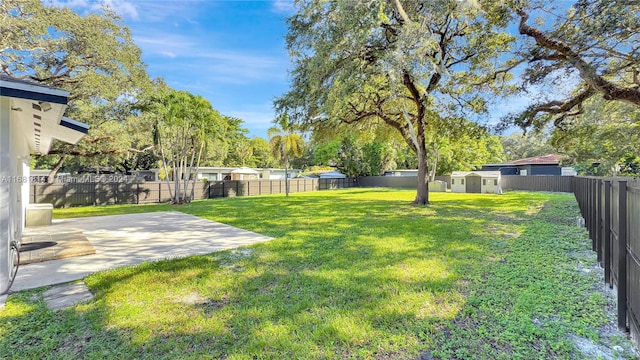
(277, 174)
(244, 173)
(30, 118)
(485, 182)
(538, 165)
(410, 172)
(225, 173)
(213, 173)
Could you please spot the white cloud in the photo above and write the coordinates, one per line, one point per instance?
(220, 65)
(124, 8)
(283, 7)
(258, 121)
(168, 54)
(74, 4)
(164, 43)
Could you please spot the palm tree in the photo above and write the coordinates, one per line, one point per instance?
(284, 143)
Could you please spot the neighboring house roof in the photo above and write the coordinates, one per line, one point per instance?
(332, 175)
(244, 170)
(479, 173)
(38, 110)
(551, 159)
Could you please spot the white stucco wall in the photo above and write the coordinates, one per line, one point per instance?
(11, 146)
(5, 191)
(14, 186)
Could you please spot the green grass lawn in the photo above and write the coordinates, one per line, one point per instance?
(356, 273)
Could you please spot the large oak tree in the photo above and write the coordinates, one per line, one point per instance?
(390, 62)
(93, 57)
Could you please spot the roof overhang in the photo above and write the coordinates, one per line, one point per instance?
(38, 112)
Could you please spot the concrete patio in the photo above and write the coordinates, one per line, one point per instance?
(121, 240)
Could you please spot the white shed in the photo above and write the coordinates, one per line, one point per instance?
(485, 182)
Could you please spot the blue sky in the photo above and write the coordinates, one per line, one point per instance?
(233, 53)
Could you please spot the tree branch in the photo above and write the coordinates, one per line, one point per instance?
(563, 51)
(565, 108)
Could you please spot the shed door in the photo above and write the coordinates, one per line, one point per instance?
(474, 184)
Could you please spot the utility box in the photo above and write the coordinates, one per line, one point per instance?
(39, 214)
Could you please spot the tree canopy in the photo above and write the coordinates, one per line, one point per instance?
(603, 140)
(595, 41)
(93, 57)
(183, 126)
(392, 63)
(285, 144)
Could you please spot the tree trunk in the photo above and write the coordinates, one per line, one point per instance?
(422, 196)
(52, 174)
(197, 167)
(166, 170)
(434, 166)
(286, 177)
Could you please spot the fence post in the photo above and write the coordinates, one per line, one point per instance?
(160, 192)
(137, 194)
(592, 211)
(598, 232)
(34, 194)
(606, 233)
(622, 253)
(223, 189)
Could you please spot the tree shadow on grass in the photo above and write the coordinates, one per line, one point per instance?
(345, 278)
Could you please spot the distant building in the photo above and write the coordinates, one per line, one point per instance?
(211, 173)
(538, 165)
(244, 173)
(408, 172)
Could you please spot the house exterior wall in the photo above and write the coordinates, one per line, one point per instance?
(278, 174)
(209, 175)
(6, 187)
(14, 186)
(241, 176)
(504, 169)
(526, 169)
(544, 170)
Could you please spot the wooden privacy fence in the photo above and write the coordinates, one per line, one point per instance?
(537, 183)
(66, 194)
(105, 193)
(395, 181)
(611, 210)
